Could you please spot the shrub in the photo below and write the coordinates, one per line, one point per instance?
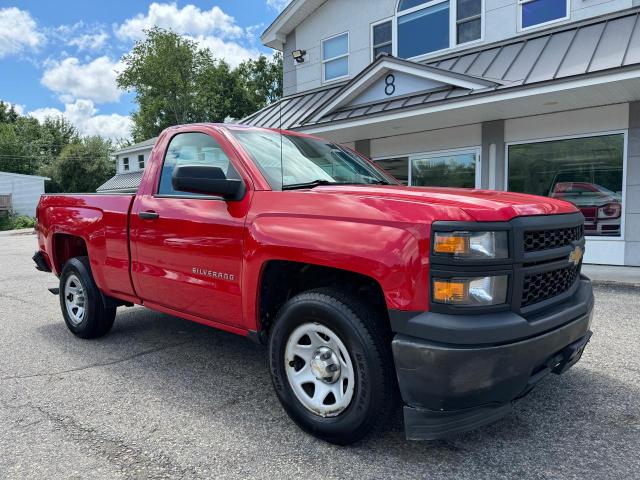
(16, 222)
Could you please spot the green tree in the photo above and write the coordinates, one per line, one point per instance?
(262, 81)
(8, 113)
(162, 70)
(20, 148)
(177, 82)
(56, 134)
(82, 166)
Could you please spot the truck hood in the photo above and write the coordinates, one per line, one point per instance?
(482, 205)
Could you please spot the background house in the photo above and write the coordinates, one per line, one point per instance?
(20, 193)
(534, 96)
(130, 162)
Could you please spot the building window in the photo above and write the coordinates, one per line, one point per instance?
(586, 171)
(140, 162)
(455, 169)
(397, 167)
(534, 13)
(335, 57)
(382, 36)
(425, 27)
(468, 21)
(125, 164)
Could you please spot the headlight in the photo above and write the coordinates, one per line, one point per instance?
(471, 291)
(472, 245)
(610, 210)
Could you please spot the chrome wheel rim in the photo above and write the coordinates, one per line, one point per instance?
(74, 299)
(319, 370)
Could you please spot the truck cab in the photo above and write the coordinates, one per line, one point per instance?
(367, 293)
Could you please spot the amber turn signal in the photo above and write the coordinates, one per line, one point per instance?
(450, 244)
(449, 292)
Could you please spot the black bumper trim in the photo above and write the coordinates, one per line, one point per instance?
(41, 263)
(492, 328)
(425, 424)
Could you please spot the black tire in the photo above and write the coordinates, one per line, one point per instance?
(362, 330)
(98, 319)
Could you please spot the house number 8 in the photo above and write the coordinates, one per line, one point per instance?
(389, 85)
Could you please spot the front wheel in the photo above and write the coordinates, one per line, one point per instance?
(82, 307)
(331, 365)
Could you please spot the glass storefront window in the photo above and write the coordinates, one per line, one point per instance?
(452, 170)
(585, 171)
(397, 167)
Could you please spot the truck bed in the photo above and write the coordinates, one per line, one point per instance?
(102, 221)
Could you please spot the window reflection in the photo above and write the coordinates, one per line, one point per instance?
(587, 172)
(456, 170)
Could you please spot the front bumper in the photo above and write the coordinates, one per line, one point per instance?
(449, 388)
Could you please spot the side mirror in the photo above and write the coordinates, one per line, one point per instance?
(207, 180)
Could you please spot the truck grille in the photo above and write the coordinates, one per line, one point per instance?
(544, 285)
(538, 240)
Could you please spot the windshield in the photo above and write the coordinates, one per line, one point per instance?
(291, 161)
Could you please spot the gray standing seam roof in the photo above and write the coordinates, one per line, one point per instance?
(596, 45)
(122, 182)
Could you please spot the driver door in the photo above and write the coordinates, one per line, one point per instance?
(187, 248)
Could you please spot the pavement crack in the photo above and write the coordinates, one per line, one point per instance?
(18, 299)
(133, 461)
(96, 365)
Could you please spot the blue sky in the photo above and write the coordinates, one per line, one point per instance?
(60, 57)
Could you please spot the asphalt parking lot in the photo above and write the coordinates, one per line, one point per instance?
(165, 398)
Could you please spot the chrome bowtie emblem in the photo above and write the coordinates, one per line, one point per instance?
(576, 255)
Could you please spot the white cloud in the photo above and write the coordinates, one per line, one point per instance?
(18, 32)
(89, 41)
(189, 20)
(278, 5)
(232, 52)
(212, 29)
(83, 36)
(82, 113)
(95, 80)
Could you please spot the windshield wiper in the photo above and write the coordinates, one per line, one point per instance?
(314, 183)
(317, 183)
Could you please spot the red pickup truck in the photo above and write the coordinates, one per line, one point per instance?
(366, 292)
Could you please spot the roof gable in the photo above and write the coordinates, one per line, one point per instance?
(388, 78)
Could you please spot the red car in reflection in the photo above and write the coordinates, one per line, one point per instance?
(602, 208)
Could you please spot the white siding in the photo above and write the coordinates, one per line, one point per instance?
(430, 141)
(563, 124)
(25, 192)
(133, 159)
(356, 17)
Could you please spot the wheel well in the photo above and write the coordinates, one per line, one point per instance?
(66, 247)
(282, 280)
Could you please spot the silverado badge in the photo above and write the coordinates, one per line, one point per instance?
(576, 255)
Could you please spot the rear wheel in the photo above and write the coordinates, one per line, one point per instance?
(82, 307)
(332, 366)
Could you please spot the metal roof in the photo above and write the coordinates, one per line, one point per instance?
(122, 183)
(137, 146)
(612, 41)
(289, 112)
(594, 46)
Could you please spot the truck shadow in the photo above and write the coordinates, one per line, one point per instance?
(224, 380)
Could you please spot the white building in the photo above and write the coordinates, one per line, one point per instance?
(536, 96)
(20, 193)
(130, 163)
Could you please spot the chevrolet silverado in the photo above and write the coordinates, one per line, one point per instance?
(367, 292)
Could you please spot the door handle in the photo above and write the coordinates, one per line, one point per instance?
(148, 215)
